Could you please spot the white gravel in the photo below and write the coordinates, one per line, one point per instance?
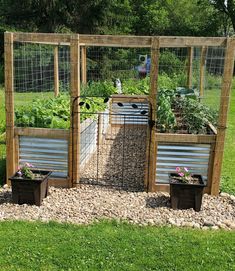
(90, 203)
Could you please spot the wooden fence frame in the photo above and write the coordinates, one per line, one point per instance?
(82, 41)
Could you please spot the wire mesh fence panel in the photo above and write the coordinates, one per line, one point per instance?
(113, 154)
(189, 87)
(42, 85)
(42, 100)
(121, 66)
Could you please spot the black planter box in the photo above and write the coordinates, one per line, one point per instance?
(184, 195)
(27, 191)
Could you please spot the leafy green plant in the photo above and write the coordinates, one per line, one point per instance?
(165, 117)
(48, 113)
(25, 171)
(98, 89)
(136, 86)
(55, 112)
(195, 115)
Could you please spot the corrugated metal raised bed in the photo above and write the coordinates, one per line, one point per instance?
(196, 152)
(45, 153)
(193, 156)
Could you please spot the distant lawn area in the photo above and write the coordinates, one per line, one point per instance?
(113, 246)
(228, 173)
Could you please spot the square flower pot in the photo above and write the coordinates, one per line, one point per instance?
(184, 195)
(27, 191)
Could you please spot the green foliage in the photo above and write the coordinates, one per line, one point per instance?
(55, 112)
(166, 120)
(1, 74)
(196, 115)
(25, 171)
(170, 64)
(99, 88)
(136, 86)
(48, 113)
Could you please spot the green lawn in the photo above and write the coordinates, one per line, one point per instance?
(113, 246)
(228, 173)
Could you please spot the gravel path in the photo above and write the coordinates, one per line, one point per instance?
(121, 156)
(90, 203)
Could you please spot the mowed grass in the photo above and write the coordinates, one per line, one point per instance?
(113, 246)
(228, 172)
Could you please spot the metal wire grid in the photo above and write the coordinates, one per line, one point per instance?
(35, 83)
(115, 156)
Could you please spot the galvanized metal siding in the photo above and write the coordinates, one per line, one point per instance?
(129, 115)
(193, 156)
(105, 122)
(45, 153)
(88, 140)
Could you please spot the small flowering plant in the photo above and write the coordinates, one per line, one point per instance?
(184, 174)
(25, 171)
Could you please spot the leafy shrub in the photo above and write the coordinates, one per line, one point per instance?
(51, 113)
(98, 89)
(166, 120)
(136, 86)
(169, 63)
(1, 74)
(55, 112)
(196, 115)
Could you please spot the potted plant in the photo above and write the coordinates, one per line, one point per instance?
(186, 189)
(29, 185)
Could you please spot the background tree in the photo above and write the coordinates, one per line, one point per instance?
(226, 7)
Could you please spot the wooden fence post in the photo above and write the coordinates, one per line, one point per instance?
(202, 69)
(84, 65)
(75, 115)
(190, 67)
(151, 153)
(223, 115)
(56, 71)
(9, 102)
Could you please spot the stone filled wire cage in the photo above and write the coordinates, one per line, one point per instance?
(120, 111)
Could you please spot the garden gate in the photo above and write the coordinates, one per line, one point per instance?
(113, 142)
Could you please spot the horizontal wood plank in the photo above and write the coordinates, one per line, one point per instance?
(119, 40)
(129, 98)
(48, 38)
(59, 182)
(184, 138)
(42, 132)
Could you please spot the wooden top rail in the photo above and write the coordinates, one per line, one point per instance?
(118, 40)
(129, 98)
(184, 138)
(42, 132)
